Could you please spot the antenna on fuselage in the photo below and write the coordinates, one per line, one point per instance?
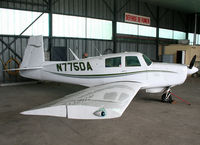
(98, 51)
(75, 56)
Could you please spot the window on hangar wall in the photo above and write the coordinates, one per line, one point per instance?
(171, 34)
(126, 28)
(99, 29)
(165, 33)
(81, 27)
(141, 30)
(68, 26)
(13, 22)
(135, 29)
(147, 31)
(179, 35)
(191, 38)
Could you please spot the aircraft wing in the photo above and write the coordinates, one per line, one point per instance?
(99, 102)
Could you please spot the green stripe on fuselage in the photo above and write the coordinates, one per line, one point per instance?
(108, 75)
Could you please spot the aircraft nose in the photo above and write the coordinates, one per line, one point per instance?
(192, 70)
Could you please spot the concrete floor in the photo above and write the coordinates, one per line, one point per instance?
(146, 121)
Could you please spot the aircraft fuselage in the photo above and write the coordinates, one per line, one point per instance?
(96, 71)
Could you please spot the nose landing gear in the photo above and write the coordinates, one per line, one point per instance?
(166, 97)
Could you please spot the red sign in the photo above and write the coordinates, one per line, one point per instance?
(132, 18)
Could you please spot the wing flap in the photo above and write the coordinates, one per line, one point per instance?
(99, 102)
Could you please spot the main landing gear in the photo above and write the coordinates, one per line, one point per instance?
(166, 97)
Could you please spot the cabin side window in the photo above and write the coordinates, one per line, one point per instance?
(113, 62)
(132, 61)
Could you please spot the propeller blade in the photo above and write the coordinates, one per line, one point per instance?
(192, 62)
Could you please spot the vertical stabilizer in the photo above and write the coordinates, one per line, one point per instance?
(34, 53)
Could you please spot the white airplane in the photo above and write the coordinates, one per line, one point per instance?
(113, 81)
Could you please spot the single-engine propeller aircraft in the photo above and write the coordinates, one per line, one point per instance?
(113, 81)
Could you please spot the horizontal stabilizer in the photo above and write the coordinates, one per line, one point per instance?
(23, 69)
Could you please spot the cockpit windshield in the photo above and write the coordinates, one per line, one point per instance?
(147, 60)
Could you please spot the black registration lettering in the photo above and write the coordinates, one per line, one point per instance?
(82, 66)
(65, 66)
(89, 66)
(76, 67)
(70, 65)
(59, 67)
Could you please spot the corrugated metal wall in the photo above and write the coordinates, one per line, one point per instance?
(101, 9)
(85, 8)
(174, 20)
(30, 5)
(81, 46)
(148, 49)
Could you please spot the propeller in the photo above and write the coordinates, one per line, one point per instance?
(192, 62)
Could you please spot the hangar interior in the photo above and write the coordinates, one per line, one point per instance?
(91, 26)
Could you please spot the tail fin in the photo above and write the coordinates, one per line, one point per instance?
(34, 53)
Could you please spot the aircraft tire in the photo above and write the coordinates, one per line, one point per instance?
(165, 99)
